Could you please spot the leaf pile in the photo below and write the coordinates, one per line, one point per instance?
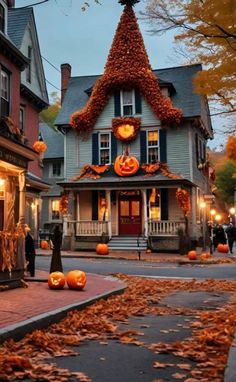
(212, 333)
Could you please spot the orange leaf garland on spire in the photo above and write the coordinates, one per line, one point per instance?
(127, 67)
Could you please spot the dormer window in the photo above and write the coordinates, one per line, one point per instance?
(127, 102)
(2, 18)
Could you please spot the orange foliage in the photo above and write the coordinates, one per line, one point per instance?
(231, 148)
(183, 199)
(127, 67)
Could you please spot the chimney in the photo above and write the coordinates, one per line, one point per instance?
(65, 77)
(11, 3)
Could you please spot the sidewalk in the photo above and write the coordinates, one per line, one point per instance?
(25, 309)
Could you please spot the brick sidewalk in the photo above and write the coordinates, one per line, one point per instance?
(26, 309)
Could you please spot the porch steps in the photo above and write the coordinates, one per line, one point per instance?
(127, 243)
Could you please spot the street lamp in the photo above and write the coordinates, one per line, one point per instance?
(203, 207)
(218, 218)
(232, 215)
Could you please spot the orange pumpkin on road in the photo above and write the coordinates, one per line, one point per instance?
(126, 165)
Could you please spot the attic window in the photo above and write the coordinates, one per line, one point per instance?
(2, 18)
(28, 70)
(165, 92)
(127, 102)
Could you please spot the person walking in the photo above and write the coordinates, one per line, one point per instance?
(231, 234)
(220, 236)
(56, 264)
(29, 251)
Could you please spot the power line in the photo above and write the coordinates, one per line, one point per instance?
(32, 5)
(52, 84)
(51, 64)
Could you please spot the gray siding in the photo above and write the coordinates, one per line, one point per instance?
(71, 154)
(178, 156)
(148, 117)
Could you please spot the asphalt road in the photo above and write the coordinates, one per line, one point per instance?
(159, 270)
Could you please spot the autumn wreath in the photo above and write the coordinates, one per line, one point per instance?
(125, 128)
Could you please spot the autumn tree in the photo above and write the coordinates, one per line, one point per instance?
(207, 29)
(49, 115)
(226, 182)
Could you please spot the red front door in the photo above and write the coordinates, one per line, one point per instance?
(130, 216)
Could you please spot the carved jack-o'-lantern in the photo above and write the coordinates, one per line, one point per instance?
(126, 165)
(56, 280)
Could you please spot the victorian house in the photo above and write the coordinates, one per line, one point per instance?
(135, 148)
(23, 96)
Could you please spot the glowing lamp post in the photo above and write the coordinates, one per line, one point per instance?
(218, 218)
(232, 215)
(203, 208)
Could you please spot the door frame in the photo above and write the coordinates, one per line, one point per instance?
(130, 195)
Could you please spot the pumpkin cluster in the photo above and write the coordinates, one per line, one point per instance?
(183, 199)
(75, 280)
(127, 68)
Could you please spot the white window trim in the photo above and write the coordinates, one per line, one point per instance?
(50, 211)
(158, 145)
(122, 104)
(6, 75)
(104, 148)
(51, 171)
(6, 16)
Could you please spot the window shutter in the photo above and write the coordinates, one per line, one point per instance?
(163, 153)
(113, 147)
(117, 105)
(94, 205)
(197, 148)
(143, 147)
(95, 148)
(138, 102)
(164, 204)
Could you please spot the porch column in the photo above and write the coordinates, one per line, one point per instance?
(108, 214)
(22, 191)
(145, 219)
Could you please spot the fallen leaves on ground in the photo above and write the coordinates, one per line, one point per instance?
(206, 349)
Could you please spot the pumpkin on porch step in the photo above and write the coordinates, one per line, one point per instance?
(223, 248)
(102, 249)
(56, 280)
(76, 279)
(192, 255)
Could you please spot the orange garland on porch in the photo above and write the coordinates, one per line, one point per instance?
(152, 168)
(183, 199)
(63, 204)
(91, 171)
(127, 68)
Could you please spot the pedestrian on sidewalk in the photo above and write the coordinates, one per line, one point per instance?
(56, 264)
(231, 234)
(29, 251)
(220, 236)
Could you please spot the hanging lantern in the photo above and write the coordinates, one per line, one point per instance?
(40, 146)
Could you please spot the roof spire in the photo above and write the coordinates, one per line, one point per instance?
(131, 3)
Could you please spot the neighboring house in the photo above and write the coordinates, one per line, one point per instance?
(132, 137)
(21, 30)
(53, 172)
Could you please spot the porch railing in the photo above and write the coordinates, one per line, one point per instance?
(164, 227)
(85, 227)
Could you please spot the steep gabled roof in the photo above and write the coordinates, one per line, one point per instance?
(18, 19)
(54, 140)
(127, 67)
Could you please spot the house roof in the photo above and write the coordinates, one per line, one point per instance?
(18, 19)
(54, 140)
(180, 77)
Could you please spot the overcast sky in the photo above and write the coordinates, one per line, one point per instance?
(83, 39)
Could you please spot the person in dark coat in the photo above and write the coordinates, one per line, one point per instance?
(56, 264)
(231, 234)
(220, 236)
(29, 251)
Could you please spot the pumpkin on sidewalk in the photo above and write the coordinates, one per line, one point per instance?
(76, 279)
(192, 255)
(56, 280)
(223, 248)
(102, 249)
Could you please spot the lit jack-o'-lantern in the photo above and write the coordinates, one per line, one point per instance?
(56, 280)
(76, 279)
(125, 132)
(126, 165)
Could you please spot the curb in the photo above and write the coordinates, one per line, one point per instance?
(230, 372)
(42, 321)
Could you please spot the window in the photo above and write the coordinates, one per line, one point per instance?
(56, 169)
(152, 146)
(5, 93)
(22, 119)
(104, 148)
(127, 102)
(154, 204)
(28, 69)
(2, 18)
(55, 209)
(200, 149)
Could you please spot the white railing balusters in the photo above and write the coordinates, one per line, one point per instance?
(164, 227)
